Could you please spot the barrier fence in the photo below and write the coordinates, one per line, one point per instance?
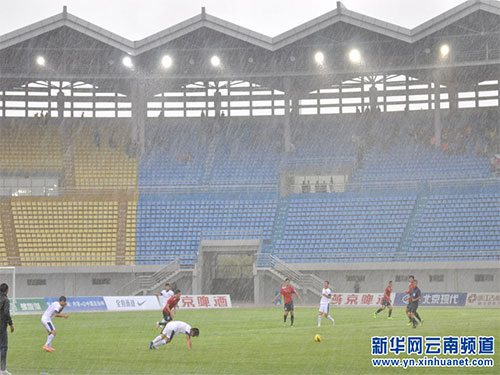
(220, 301)
(122, 303)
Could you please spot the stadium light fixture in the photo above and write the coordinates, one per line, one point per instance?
(166, 61)
(355, 56)
(127, 61)
(319, 57)
(444, 50)
(215, 61)
(40, 60)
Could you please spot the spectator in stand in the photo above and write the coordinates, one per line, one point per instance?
(495, 165)
(316, 186)
(304, 186)
(444, 145)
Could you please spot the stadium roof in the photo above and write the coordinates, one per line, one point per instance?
(203, 20)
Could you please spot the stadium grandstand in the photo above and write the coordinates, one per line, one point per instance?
(346, 148)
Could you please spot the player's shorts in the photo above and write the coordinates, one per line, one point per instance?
(168, 332)
(49, 326)
(385, 303)
(324, 308)
(413, 307)
(167, 316)
(289, 306)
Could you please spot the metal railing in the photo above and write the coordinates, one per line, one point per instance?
(301, 280)
(237, 187)
(82, 260)
(150, 282)
(410, 185)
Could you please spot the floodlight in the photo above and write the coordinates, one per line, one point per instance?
(127, 61)
(166, 61)
(355, 56)
(215, 61)
(445, 50)
(40, 60)
(319, 57)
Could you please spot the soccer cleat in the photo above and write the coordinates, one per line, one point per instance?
(46, 348)
(389, 317)
(53, 349)
(333, 323)
(5, 372)
(374, 315)
(422, 322)
(319, 325)
(409, 323)
(151, 345)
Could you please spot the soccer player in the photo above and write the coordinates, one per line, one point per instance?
(416, 295)
(324, 304)
(170, 330)
(54, 309)
(411, 278)
(168, 313)
(386, 301)
(166, 294)
(287, 291)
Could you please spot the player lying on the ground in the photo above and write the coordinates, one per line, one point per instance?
(171, 329)
(386, 301)
(54, 310)
(324, 304)
(169, 309)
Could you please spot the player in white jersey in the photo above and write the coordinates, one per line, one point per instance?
(54, 310)
(172, 328)
(165, 294)
(324, 304)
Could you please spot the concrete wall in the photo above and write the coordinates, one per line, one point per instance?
(456, 277)
(432, 276)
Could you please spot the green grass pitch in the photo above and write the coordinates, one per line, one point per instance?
(235, 341)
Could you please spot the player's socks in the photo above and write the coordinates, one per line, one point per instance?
(418, 317)
(379, 310)
(319, 320)
(390, 313)
(284, 318)
(291, 320)
(157, 339)
(49, 340)
(162, 342)
(331, 319)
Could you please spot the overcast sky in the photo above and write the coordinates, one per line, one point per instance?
(137, 19)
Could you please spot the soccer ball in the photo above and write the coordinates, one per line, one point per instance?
(317, 338)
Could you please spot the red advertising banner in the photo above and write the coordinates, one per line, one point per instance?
(357, 299)
(205, 301)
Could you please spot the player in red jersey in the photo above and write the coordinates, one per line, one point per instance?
(287, 291)
(411, 279)
(386, 301)
(168, 313)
